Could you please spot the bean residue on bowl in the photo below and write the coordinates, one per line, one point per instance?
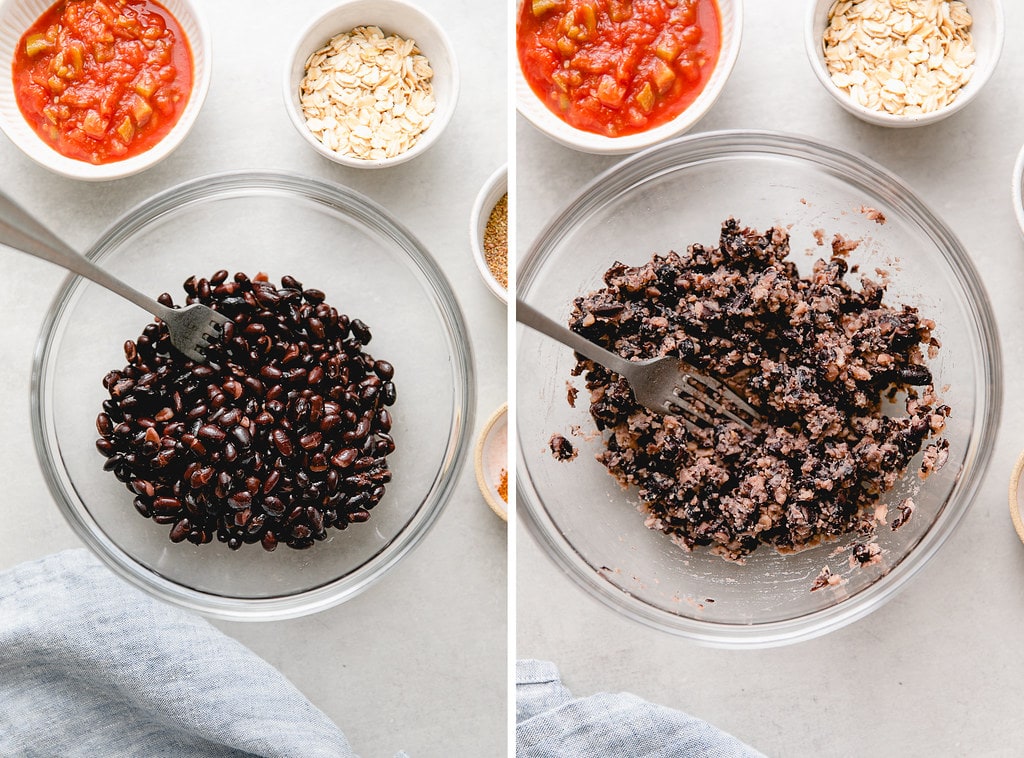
(496, 241)
(903, 58)
(368, 95)
(823, 362)
(280, 436)
(616, 67)
(101, 81)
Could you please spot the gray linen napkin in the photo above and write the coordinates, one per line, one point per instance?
(91, 666)
(550, 723)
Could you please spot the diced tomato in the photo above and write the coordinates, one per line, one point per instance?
(103, 80)
(618, 67)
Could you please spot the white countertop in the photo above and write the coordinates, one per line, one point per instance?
(428, 673)
(937, 669)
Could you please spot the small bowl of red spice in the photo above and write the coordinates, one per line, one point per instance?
(101, 89)
(491, 462)
(616, 76)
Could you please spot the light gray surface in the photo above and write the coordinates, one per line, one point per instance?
(417, 662)
(935, 671)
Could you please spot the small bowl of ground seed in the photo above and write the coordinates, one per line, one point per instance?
(488, 233)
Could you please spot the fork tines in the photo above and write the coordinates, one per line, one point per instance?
(707, 398)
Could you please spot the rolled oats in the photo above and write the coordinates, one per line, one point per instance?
(367, 95)
(904, 57)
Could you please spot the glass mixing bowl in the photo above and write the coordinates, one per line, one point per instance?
(669, 197)
(371, 268)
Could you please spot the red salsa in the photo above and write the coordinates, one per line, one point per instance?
(103, 80)
(618, 67)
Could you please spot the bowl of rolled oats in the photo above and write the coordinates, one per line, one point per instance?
(904, 63)
(371, 83)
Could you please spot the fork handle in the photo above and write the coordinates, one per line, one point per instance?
(531, 317)
(20, 230)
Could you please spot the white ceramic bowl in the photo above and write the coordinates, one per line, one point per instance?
(536, 112)
(1017, 190)
(495, 186)
(986, 30)
(1017, 497)
(16, 16)
(393, 17)
(491, 458)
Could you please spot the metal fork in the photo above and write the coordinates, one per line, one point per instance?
(191, 328)
(665, 385)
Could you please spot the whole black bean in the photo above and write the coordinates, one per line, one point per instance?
(253, 385)
(180, 530)
(242, 436)
(311, 441)
(229, 418)
(211, 433)
(239, 500)
(166, 504)
(360, 330)
(269, 541)
(281, 442)
(385, 445)
(274, 505)
(345, 458)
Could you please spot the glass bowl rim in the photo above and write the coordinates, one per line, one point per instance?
(851, 167)
(357, 207)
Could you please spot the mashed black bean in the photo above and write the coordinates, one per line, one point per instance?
(818, 358)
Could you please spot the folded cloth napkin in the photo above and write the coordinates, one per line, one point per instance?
(550, 723)
(91, 666)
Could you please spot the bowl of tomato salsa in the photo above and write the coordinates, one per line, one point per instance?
(615, 76)
(101, 89)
